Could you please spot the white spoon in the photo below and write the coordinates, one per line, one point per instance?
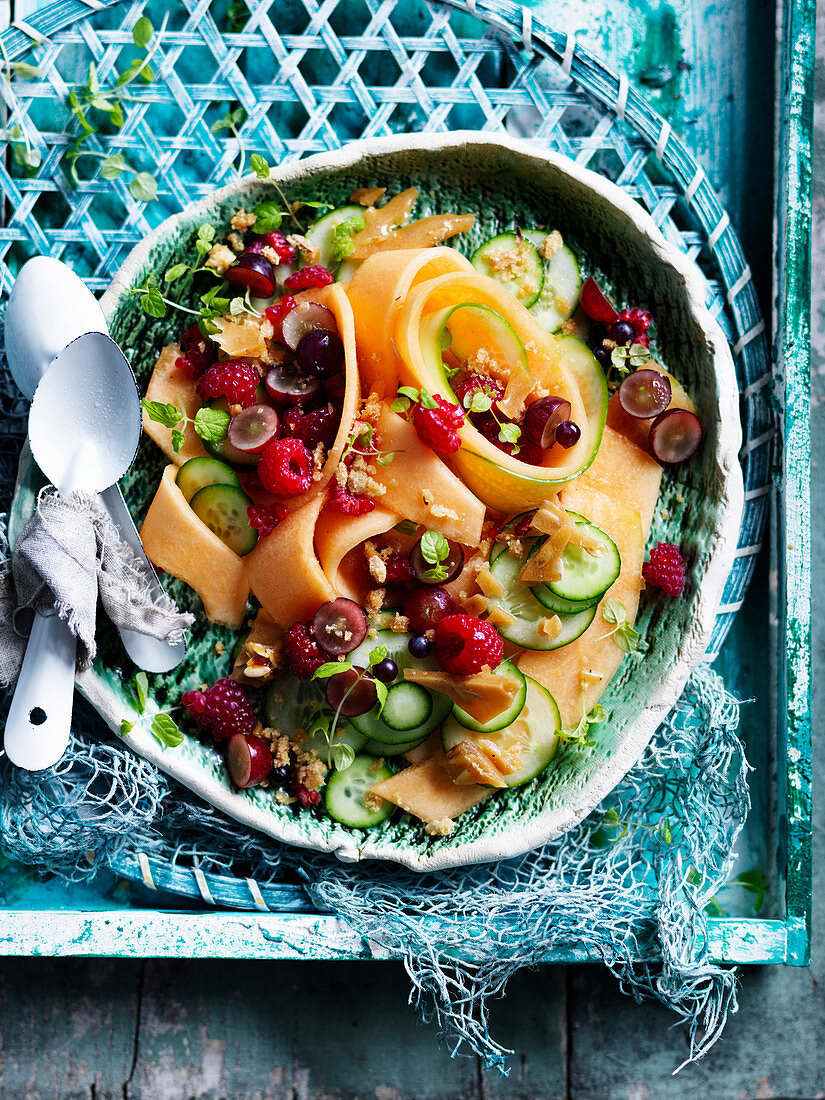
(84, 429)
(48, 308)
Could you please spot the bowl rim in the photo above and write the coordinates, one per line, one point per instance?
(506, 842)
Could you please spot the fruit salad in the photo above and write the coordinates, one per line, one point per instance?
(418, 480)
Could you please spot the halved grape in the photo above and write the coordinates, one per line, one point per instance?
(645, 394)
(339, 626)
(248, 760)
(595, 304)
(448, 569)
(286, 387)
(306, 317)
(675, 435)
(252, 428)
(253, 273)
(353, 691)
(543, 417)
(426, 606)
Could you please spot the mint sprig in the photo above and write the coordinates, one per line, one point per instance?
(623, 634)
(210, 424)
(435, 549)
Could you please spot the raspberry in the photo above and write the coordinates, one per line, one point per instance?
(302, 653)
(312, 428)
(465, 644)
(307, 277)
(198, 352)
(308, 798)
(639, 318)
(344, 501)
(437, 427)
(398, 569)
(276, 314)
(277, 242)
(224, 709)
(233, 380)
(263, 519)
(665, 569)
(285, 468)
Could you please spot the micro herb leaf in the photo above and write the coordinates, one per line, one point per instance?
(426, 401)
(211, 424)
(477, 401)
(378, 654)
(434, 547)
(26, 156)
(315, 205)
(237, 306)
(166, 731)
(259, 166)
(142, 691)
(384, 458)
(400, 405)
(614, 611)
(230, 121)
(144, 187)
(173, 273)
(167, 414)
(112, 166)
(509, 433)
(382, 692)
(342, 756)
(406, 527)
(25, 71)
(409, 393)
(142, 32)
(268, 217)
(331, 668)
(437, 573)
(177, 440)
(626, 637)
(580, 734)
(126, 727)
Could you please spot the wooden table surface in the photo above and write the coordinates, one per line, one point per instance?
(100, 1029)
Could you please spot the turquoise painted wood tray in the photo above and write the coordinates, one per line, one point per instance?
(468, 96)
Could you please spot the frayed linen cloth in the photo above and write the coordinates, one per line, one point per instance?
(69, 554)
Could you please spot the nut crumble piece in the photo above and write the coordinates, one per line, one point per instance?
(220, 258)
(243, 219)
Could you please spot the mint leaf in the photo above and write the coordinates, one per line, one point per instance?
(268, 217)
(175, 272)
(259, 166)
(152, 301)
(614, 611)
(126, 727)
(406, 527)
(378, 654)
(177, 440)
(331, 668)
(382, 692)
(211, 424)
(167, 414)
(342, 756)
(142, 689)
(434, 547)
(142, 32)
(166, 731)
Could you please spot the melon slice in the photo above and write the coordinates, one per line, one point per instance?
(337, 534)
(284, 572)
(625, 472)
(427, 792)
(588, 664)
(179, 543)
(421, 487)
(377, 291)
(380, 221)
(170, 385)
(424, 233)
(484, 695)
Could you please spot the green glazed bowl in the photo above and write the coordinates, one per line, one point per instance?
(504, 182)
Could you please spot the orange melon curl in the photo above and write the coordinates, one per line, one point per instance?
(377, 292)
(481, 319)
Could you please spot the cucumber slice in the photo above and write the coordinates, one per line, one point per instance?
(557, 605)
(345, 790)
(561, 287)
(408, 706)
(321, 234)
(518, 601)
(375, 728)
(585, 578)
(381, 748)
(535, 729)
(223, 509)
(223, 449)
(196, 473)
(524, 278)
(508, 716)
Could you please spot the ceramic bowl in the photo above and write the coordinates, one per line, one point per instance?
(503, 182)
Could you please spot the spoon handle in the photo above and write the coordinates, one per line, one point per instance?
(40, 716)
(150, 654)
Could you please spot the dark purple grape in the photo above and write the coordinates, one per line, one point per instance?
(339, 626)
(447, 570)
(253, 273)
(675, 435)
(385, 671)
(359, 689)
(425, 606)
(568, 434)
(622, 332)
(321, 353)
(419, 646)
(603, 357)
(645, 394)
(306, 317)
(543, 417)
(286, 387)
(252, 428)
